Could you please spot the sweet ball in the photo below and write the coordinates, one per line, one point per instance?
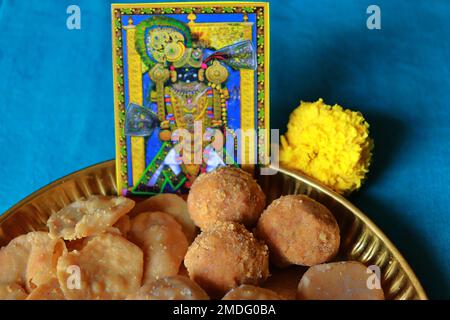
(299, 230)
(227, 194)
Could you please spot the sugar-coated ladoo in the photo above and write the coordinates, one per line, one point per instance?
(227, 194)
(299, 230)
(346, 280)
(226, 256)
(249, 292)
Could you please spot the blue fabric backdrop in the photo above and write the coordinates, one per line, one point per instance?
(56, 102)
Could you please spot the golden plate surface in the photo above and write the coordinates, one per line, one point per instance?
(361, 239)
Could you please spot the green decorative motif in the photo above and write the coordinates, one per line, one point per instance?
(117, 43)
(117, 24)
(187, 10)
(261, 95)
(228, 9)
(167, 10)
(208, 10)
(147, 10)
(260, 41)
(260, 22)
(261, 114)
(160, 22)
(260, 59)
(261, 77)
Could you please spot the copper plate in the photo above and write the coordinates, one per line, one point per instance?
(361, 239)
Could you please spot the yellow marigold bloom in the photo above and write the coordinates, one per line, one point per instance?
(329, 144)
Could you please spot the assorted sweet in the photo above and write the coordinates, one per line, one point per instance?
(12, 291)
(163, 242)
(110, 267)
(299, 230)
(225, 194)
(284, 281)
(30, 260)
(170, 288)
(47, 291)
(328, 143)
(249, 292)
(87, 217)
(108, 248)
(346, 280)
(173, 205)
(225, 256)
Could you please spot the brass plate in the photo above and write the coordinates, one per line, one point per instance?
(361, 239)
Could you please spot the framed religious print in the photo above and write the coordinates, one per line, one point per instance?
(191, 91)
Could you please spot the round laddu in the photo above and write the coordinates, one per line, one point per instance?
(226, 256)
(299, 230)
(249, 292)
(226, 194)
(347, 280)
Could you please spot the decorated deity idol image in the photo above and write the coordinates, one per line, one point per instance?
(186, 73)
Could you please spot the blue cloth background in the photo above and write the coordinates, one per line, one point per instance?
(56, 102)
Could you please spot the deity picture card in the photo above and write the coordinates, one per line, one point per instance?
(191, 91)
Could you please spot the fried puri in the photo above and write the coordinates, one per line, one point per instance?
(249, 292)
(347, 280)
(226, 194)
(299, 230)
(163, 242)
(173, 205)
(48, 291)
(170, 288)
(30, 260)
(109, 267)
(226, 256)
(12, 291)
(87, 217)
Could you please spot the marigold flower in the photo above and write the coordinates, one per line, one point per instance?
(328, 143)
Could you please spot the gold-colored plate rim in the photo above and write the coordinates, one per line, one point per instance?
(51, 185)
(296, 175)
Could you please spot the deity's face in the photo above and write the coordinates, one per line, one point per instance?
(187, 74)
(188, 66)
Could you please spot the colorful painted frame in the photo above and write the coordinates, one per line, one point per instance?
(127, 75)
